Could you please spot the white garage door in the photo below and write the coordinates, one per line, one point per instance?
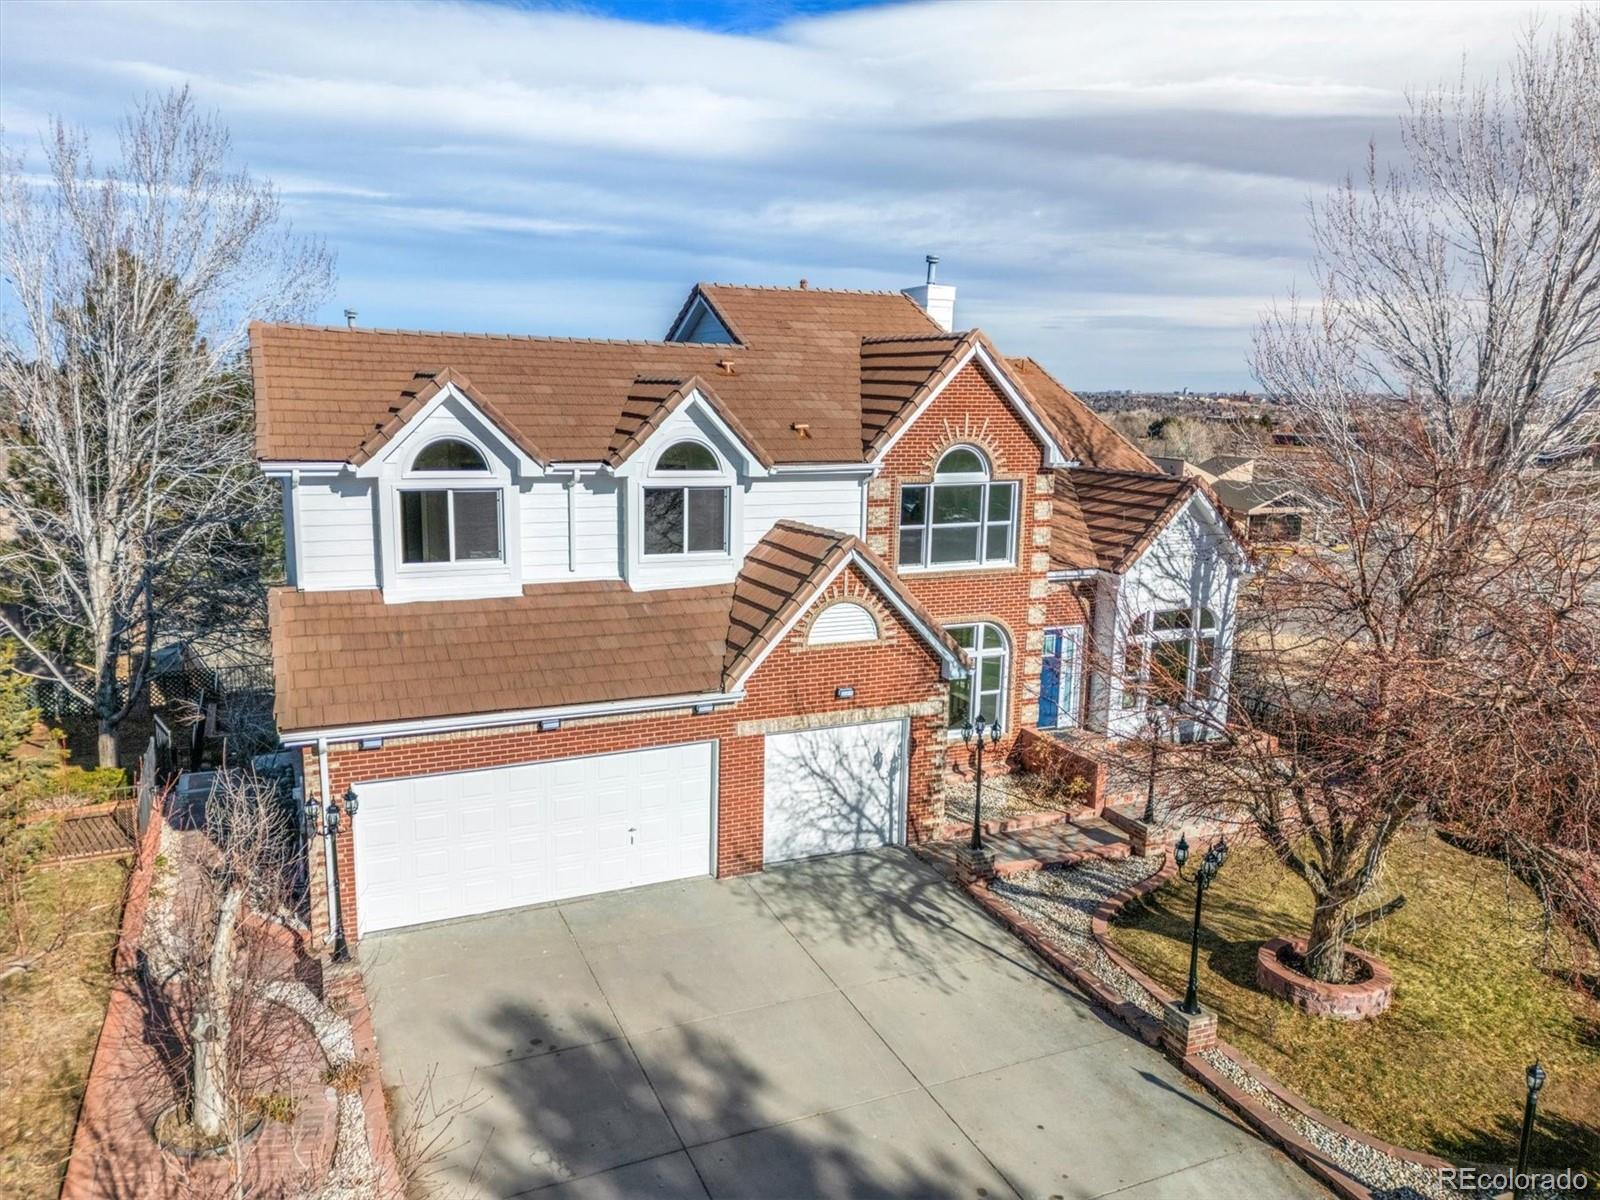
(829, 791)
(439, 846)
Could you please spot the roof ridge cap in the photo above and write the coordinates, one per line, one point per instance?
(785, 287)
(490, 337)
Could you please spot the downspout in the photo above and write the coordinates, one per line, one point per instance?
(572, 522)
(329, 866)
(294, 527)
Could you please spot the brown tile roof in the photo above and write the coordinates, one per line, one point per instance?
(761, 316)
(781, 577)
(346, 658)
(1086, 437)
(896, 373)
(652, 401)
(1119, 513)
(429, 385)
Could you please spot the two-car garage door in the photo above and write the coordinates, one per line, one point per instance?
(439, 846)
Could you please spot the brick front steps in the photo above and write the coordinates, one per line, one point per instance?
(953, 830)
(1263, 1102)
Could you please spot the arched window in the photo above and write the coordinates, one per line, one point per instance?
(443, 524)
(1171, 654)
(686, 520)
(449, 454)
(962, 518)
(687, 456)
(983, 692)
(844, 621)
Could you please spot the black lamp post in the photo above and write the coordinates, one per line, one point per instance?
(1204, 874)
(967, 731)
(326, 821)
(1535, 1081)
(1152, 715)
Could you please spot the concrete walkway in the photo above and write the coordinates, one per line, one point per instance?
(845, 1027)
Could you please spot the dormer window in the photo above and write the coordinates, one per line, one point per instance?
(441, 522)
(962, 519)
(687, 519)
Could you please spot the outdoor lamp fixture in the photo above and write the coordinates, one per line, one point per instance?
(1535, 1080)
(327, 821)
(1203, 875)
(968, 731)
(352, 802)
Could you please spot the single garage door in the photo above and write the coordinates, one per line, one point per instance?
(438, 846)
(829, 791)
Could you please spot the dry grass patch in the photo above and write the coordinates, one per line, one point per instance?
(50, 1017)
(1478, 995)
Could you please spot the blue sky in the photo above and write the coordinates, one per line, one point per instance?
(1117, 190)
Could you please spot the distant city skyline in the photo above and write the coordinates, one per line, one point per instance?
(1116, 190)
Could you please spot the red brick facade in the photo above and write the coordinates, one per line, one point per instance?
(972, 411)
(896, 676)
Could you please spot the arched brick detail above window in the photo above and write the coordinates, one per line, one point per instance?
(844, 626)
(968, 431)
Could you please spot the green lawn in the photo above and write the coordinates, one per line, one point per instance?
(1474, 1003)
(50, 1018)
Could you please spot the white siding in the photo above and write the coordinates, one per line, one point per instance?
(832, 502)
(338, 535)
(544, 530)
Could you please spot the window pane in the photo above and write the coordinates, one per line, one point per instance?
(1205, 654)
(957, 502)
(989, 706)
(961, 461)
(1000, 495)
(958, 544)
(992, 638)
(449, 455)
(913, 505)
(910, 547)
(424, 527)
(1169, 675)
(989, 674)
(960, 691)
(997, 546)
(477, 526)
(663, 520)
(1175, 618)
(708, 526)
(962, 635)
(687, 456)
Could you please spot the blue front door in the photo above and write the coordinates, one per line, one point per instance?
(1058, 678)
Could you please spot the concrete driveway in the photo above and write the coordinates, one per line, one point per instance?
(844, 1027)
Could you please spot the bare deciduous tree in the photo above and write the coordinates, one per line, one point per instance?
(127, 436)
(1441, 659)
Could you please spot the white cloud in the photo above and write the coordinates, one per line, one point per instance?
(1117, 188)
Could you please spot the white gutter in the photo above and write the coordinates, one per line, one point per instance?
(309, 466)
(524, 716)
(848, 468)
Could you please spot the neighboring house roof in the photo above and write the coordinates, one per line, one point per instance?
(1085, 436)
(1220, 464)
(1248, 497)
(1118, 515)
(347, 659)
(825, 377)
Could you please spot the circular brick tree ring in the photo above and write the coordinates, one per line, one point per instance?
(1345, 1001)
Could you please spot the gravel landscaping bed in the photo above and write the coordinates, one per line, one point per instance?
(1061, 901)
(1005, 797)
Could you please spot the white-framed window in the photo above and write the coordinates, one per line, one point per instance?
(450, 508)
(1172, 654)
(983, 691)
(686, 519)
(962, 519)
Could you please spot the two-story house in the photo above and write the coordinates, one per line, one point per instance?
(565, 616)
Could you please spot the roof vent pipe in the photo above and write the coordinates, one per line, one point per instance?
(350, 318)
(938, 300)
